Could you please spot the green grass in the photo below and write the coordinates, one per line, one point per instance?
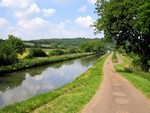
(45, 45)
(70, 98)
(114, 57)
(139, 79)
(34, 62)
(30, 44)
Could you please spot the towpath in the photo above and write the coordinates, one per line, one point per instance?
(117, 95)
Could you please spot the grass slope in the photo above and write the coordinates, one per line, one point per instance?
(140, 80)
(70, 98)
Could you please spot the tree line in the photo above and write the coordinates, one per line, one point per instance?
(57, 43)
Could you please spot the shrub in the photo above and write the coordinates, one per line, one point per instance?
(36, 52)
(56, 52)
(72, 50)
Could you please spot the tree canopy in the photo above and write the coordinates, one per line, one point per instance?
(97, 46)
(16, 44)
(127, 22)
(9, 50)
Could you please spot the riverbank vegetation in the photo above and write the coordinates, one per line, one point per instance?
(139, 79)
(70, 98)
(34, 62)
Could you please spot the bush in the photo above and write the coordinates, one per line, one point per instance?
(36, 52)
(56, 52)
(72, 50)
(8, 55)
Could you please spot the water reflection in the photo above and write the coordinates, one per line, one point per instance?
(10, 81)
(18, 86)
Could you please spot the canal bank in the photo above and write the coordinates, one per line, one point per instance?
(35, 62)
(21, 85)
(69, 98)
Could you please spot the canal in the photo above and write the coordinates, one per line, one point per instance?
(21, 85)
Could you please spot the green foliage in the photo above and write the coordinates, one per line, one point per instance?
(37, 52)
(142, 22)
(72, 50)
(86, 47)
(56, 52)
(70, 98)
(126, 23)
(7, 54)
(9, 49)
(16, 44)
(97, 46)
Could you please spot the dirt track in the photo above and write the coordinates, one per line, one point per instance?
(117, 95)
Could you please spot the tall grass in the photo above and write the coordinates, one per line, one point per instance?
(114, 57)
(34, 62)
(139, 79)
(70, 98)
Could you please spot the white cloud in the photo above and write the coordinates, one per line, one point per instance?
(68, 21)
(92, 1)
(33, 24)
(84, 21)
(48, 12)
(33, 10)
(63, 1)
(15, 3)
(82, 9)
(3, 22)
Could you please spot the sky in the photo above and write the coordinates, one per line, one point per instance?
(45, 19)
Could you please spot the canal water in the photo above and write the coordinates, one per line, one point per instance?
(21, 85)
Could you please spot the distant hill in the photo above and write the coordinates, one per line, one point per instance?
(63, 43)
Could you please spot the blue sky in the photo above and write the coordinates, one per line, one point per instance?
(40, 19)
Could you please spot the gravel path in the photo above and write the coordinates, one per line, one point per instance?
(117, 95)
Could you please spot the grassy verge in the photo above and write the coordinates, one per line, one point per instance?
(114, 57)
(29, 63)
(70, 98)
(140, 80)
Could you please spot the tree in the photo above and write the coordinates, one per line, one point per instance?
(127, 23)
(86, 46)
(98, 46)
(9, 50)
(16, 44)
(7, 55)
